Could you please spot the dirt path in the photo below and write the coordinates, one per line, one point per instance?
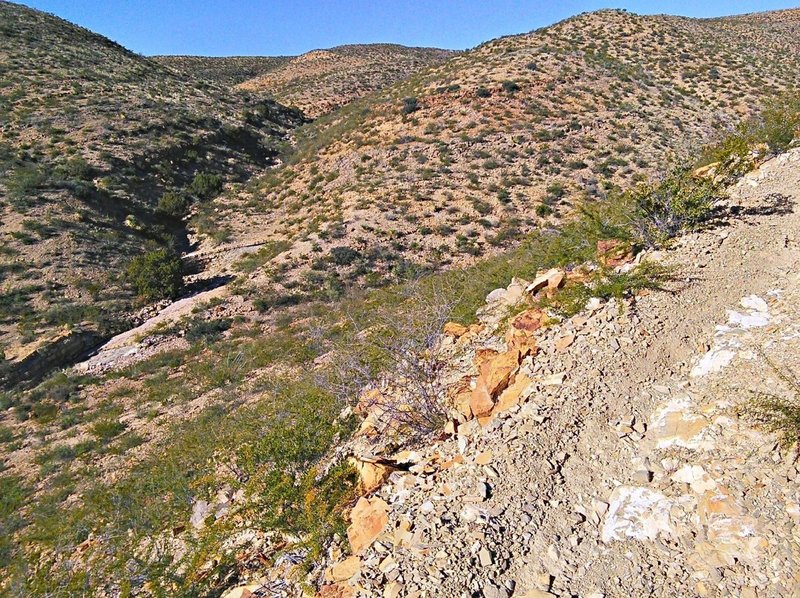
(635, 476)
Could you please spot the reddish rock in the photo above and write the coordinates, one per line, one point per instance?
(613, 252)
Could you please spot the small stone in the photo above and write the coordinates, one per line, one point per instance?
(562, 343)
(485, 557)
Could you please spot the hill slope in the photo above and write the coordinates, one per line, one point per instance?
(92, 135)
(461, 159)
(320, 81)
(229, 70)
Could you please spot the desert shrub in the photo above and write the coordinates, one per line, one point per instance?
(676, 202)
(482, 92)
(775, 128)
(207, 330)
(777, 413)
(107, 428)
(410, 105)
(172, 204)
(510, 86)
(395, 351)
(157, 274)
(25, 179)
(206, 185)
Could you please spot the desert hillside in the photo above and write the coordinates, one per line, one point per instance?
(515, 322)
(92, 137)
(465, 157)
(229, 70)
(320, 81)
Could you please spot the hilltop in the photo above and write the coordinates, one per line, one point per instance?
(320, 81)
(92, 137)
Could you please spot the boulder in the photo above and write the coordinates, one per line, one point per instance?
(368, 519)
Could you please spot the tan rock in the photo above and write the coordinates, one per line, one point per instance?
(484, 458)
(707, 171)
(564, 342)
(455, 330)
(535, 594)
(511, 395)
(370, 474)
(344, 570)
(368, 519)
(552, 279)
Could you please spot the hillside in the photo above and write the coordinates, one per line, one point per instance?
(506, 327)
(462, 159)
(320, 81)
(228, 71)
(92, 136)
(466, 157)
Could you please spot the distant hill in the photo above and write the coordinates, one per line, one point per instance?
(91, 136)
(322, 80)
(227, 71)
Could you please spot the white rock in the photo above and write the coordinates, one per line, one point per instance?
(638, 513)
(696, 477)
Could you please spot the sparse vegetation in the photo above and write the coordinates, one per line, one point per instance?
(157, 274)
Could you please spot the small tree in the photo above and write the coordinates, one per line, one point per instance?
(157, 274)
(172, 205)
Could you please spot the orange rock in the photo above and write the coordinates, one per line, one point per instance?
(369, 517)
(510, 396)
(483, 355)
(522, 341)
(457, 460)
(497, 372)
(343, 570)
(481, 402)
(455, 330)
(613, 252)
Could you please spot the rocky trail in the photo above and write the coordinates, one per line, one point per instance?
(620, 460)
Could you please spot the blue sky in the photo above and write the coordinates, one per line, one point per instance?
(288, 27)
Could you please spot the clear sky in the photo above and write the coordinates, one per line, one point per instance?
(289, 27)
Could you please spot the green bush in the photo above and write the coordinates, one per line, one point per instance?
(510, 87)
(206, 186)
(482, 92)
(172, 205)
(677, 202)
(157, 274)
